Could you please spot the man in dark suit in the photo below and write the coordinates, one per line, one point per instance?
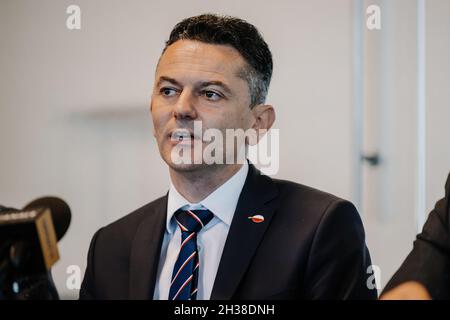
(224, 230)
(425, 273)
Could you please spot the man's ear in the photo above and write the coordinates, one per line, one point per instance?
(264, 115)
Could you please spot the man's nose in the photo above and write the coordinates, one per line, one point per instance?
(184, 107)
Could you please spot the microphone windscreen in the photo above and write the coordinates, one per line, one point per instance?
(60, 211)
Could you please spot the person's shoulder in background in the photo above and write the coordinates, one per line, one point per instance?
(427, 267)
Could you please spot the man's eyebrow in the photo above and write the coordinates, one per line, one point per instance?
(167, 79)
(215, 83)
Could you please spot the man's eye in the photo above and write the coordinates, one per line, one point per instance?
(168, 92)
(211, 95)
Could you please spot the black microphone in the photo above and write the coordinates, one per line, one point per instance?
(6, 209)
(60, 211)
(28, 248)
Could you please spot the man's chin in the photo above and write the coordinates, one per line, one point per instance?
(186, 167)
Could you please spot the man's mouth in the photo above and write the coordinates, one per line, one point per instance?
(181, 135)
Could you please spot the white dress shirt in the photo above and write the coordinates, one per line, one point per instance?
(210, 239)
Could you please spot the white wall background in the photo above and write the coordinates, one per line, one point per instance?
(393, 192)
(390, 128)
(437, 98)
(74, 118)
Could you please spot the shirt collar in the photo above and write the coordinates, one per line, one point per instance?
(221, 202)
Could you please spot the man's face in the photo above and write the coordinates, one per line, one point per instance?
(196, 81)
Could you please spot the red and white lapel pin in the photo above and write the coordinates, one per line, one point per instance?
(257, 218)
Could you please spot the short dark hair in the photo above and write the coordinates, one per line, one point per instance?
(239, 34)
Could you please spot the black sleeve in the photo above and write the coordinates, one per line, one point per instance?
(339, 258)
(87, 290)
(429, 261)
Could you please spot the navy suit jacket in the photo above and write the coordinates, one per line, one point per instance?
(311, 245)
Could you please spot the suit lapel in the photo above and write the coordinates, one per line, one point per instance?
(145, 251)
(244, 235)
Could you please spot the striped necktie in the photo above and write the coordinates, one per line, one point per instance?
(185, 272)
